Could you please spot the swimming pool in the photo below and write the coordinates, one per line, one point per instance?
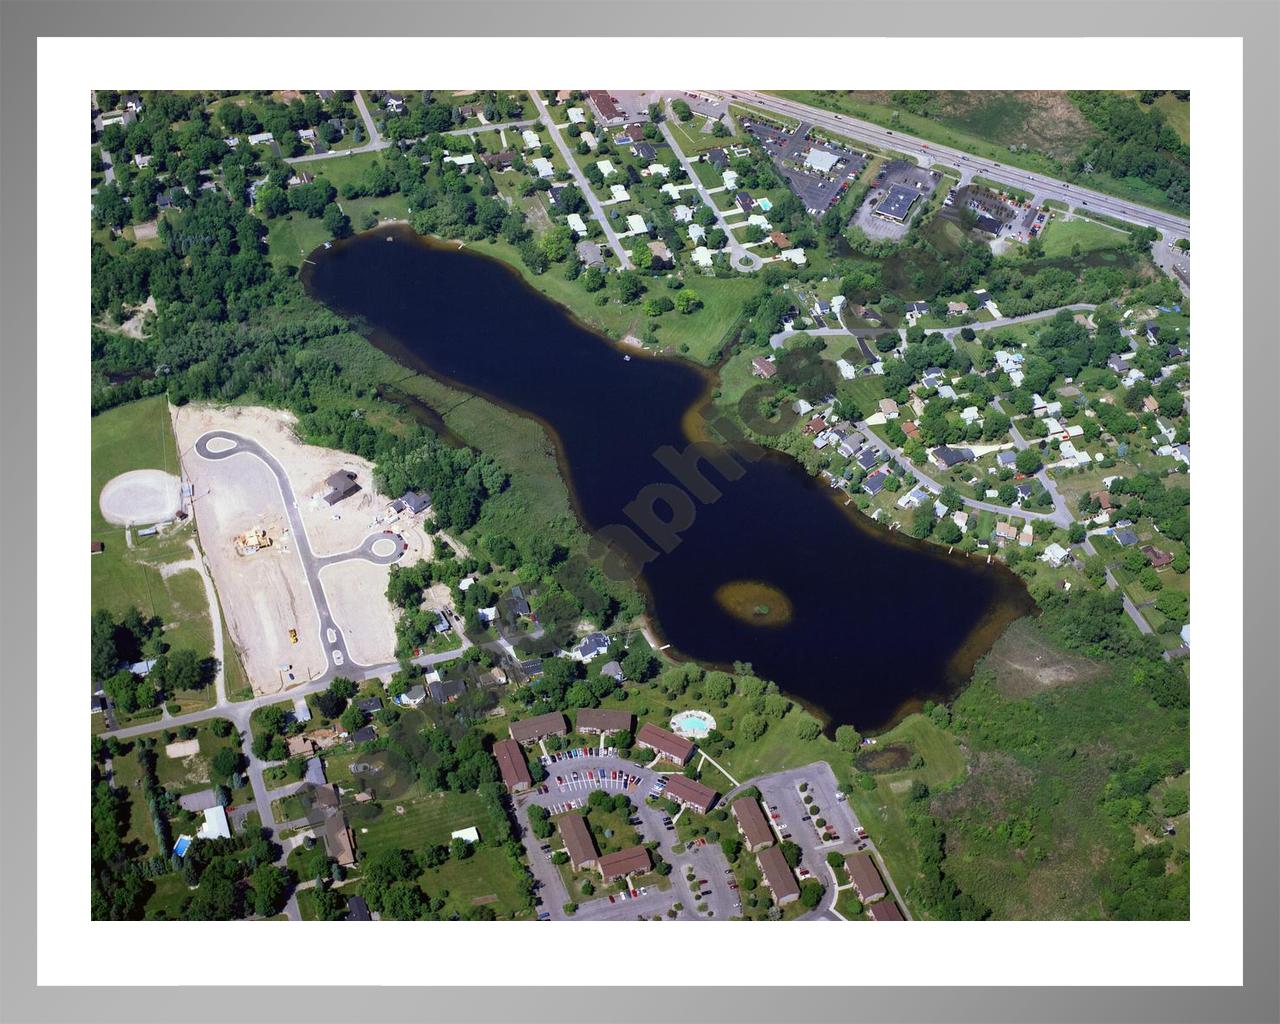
(180, 847)
(765, 205)
(692, 724)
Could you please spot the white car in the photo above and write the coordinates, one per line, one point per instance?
(333, 636)
(337, 657)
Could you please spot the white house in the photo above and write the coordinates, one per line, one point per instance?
(702, 256)
(620, 194)
(760, 221)
(215, 824)
(636, 223)
(670, 190)
(544, 167)
(530, 138)
(970, 414)
(1055, 554)
(605, 167)
(682, 214)
(730, 179)
(697, 232)
(261, 138)
(576, 224)
(577, 116)
(589, 139)
(661, 170)
(795, 256)
(462, 160)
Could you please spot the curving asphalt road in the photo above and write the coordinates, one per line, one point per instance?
(336, 654)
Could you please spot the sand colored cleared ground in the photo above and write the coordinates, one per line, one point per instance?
(357, 598)
(265, 594)
(307, 465)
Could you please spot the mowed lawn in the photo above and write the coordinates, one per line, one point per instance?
(697, 335)
(139, 436)
(430, 819)
(1062, 236)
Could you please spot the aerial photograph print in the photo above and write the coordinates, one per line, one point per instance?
(617, 505)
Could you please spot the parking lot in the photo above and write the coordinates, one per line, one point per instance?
(571, 776)
(793, 819)
(787, 151)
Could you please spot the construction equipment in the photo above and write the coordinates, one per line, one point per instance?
(293, 636)
(252, 540)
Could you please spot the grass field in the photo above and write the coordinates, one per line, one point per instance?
(697, 335)
(883, 810)
(1177, 113)
(431, 818)
(1062, 236)
(139, 436)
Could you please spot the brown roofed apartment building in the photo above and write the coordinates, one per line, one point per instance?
(752, 824)
(579, 844)
(603, 720)
(665, 742)
(530, 730)
(633, 861)
(512, 766)
(777, 875)
(690, 793)
(866, 878)
(886, 910)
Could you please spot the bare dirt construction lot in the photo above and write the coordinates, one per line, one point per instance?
(264, 593)
(1026, 664)
(357, 598)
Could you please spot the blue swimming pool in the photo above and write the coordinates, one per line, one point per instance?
(182, 845)
(693, 724)
(765, 205)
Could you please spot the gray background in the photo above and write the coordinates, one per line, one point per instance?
(1258, 23)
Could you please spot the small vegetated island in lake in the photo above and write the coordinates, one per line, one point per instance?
(692, 402)
(755, 602)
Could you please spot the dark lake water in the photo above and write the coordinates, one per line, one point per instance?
(878, 622)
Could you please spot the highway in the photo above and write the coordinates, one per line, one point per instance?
(927, 153)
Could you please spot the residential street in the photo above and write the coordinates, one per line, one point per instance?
(584, 186)
(1130, 608)
(932, 485)
(740, 258)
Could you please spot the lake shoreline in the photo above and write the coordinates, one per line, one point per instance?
(951, 677)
